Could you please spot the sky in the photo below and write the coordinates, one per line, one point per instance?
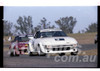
(85, 15)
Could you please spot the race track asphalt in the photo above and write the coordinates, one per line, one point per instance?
(25, 61)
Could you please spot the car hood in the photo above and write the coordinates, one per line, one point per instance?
(22, 43)
(58, 41)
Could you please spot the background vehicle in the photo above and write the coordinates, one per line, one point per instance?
(52, 41)
(96, 39)
(18, 46)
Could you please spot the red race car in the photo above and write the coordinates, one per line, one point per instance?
(19, 46)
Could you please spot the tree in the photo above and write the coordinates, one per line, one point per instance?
(37, 28)
(24, 25)
(92, 28)
(67, 24)
(79, 32)
(7, 28)
(43, 25)
(83, 31)
(52, 27)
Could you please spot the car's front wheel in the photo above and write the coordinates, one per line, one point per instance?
(40, 53)
(11, 54)
(74, 53)
(30, 54)
(61, 54)
(14, 53)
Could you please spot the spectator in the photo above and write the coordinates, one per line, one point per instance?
(10, 38)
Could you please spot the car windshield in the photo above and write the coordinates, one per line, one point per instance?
(20, 39)
(53, 34)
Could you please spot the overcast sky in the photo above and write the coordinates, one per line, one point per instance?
(85, 15)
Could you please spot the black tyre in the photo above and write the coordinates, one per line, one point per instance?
(43, 54)
(95, 42)
(16, 54)
(30, 54)
(74, 53)
(61, 54)
(12, 54)
(33, 54)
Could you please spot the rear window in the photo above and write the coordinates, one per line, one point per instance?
(20, 39)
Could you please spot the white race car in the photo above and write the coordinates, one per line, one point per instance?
(52, 41)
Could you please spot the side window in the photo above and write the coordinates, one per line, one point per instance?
(37, 35)
(16, 38)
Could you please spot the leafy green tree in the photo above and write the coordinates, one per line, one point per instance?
(92, 28)
(79, 32)
(43, 25)
(37, 28)
(7, 28)
(24, 25)
(67, 24)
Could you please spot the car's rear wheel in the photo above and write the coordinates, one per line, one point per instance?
(42, 54)
(31, 54)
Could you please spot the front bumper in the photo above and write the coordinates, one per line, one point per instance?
(23, 48)
(65, 49)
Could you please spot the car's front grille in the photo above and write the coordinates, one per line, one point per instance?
(62, 46)
(61, 49)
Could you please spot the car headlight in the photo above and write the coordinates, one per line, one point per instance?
(47, 46)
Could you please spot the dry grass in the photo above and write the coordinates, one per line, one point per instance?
(86, 38)
(6, 39)
(89, 52)
(5, 49)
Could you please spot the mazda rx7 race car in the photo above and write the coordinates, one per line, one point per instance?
(51, 41)
(19, 45)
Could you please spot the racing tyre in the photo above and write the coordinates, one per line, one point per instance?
(95, 42)
(43, 54)
(16, 54)
(40, 53)
(30, 54)
(11, 54)
(74, 53)
(61, 54)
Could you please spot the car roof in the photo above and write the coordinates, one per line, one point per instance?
(46, 30)
(20, 36)
(29, 35)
